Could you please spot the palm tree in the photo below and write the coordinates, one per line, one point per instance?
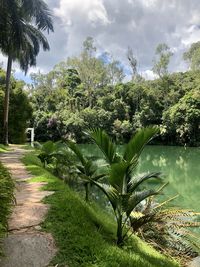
(123, 190)
(20, 40)
(86, 169)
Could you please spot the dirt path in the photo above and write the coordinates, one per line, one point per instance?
(26, 245)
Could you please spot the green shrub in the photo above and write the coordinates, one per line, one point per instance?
(6, 198)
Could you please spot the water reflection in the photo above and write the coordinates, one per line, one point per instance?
(180, 166)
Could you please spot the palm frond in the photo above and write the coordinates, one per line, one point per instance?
(98, 177)
(38, 10)
(137, 198)
(168, 229)
(165, 202)
(106, 145)
(48, 147)
(117, 176)
(31, 41)
(77, 151)
(138, 141)
(11, 26)
(136, 181)
(90, 168)
(110, 192)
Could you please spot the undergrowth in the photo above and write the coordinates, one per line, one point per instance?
(6, 199)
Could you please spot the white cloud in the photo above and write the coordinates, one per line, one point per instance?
(192, 35)
(117, 24)
(148, 74)
(149, 3)
(93, 11)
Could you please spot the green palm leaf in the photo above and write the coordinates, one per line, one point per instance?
(138, 197)
(110, 192)
(98, 177)
(104, 142)
(136, 181)
(77, 151)
(41, 13)
(117, 177)
(48, 147)
(137, 143)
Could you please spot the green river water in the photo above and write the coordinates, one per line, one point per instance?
(180, 166)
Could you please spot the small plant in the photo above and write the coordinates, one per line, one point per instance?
(47, 152)
(86, 169)
(58, 158)
(123, 189)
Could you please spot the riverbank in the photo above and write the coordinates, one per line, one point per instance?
(85, 234)
(3, 148)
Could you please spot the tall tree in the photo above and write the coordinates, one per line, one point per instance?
(91, 70)
(192, 56)
(133, 62)
(136, 77)
(115, 72)
(21, 26)
(161, 62)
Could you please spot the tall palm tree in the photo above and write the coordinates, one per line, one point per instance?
(21, 26)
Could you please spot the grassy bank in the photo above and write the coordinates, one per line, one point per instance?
(85, 234)
(6, 198)
(3, 148)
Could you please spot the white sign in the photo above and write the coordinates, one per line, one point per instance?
(32, 135)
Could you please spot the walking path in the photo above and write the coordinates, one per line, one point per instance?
(26, 245)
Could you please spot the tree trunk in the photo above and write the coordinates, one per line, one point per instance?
(86, 192)
(119, 231)
(6, 101)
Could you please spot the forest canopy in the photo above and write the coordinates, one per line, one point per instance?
(88, 91)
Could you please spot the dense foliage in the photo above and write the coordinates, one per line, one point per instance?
(87, 91)
(6, 198)
(20, 110)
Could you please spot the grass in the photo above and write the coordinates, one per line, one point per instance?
(3, 148)
(6, 199)
(85, 234)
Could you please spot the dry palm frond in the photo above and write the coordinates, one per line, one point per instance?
(168, 229)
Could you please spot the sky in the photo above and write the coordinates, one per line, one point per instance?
(117, 24)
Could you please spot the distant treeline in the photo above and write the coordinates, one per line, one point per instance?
(64, 106)
(88, 91)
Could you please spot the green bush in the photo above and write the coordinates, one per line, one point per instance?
(6, 198)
